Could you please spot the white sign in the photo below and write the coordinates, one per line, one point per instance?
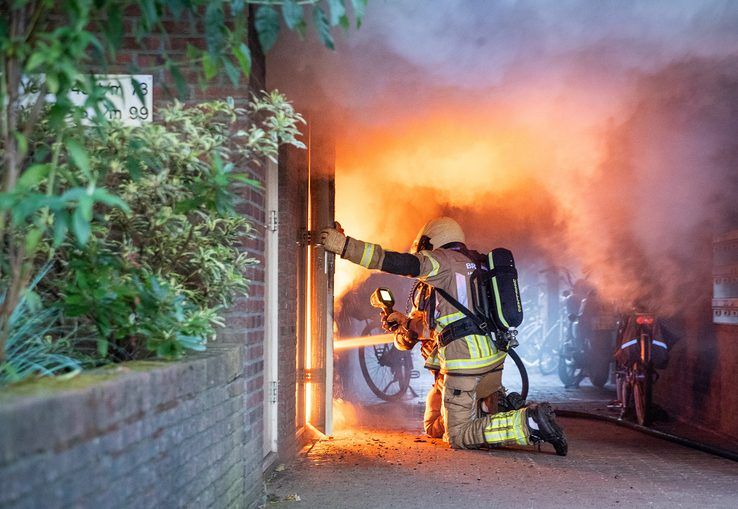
(125, 104)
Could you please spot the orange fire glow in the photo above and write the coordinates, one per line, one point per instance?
(378, 339)
(389, 183)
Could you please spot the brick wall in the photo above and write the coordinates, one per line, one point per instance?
(187, 433)
(245, 323)
(152, 434)
(698, 385)
(245, 319)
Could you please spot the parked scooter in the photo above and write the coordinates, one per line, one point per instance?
(589, 341)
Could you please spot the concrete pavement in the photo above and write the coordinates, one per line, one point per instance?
(607, 466)
(378, 458)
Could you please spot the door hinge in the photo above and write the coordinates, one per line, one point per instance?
(273, 221)
(273, 391)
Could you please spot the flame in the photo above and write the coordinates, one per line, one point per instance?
(389, 183)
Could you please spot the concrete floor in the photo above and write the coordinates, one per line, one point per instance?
(606, 467)
(378, 458)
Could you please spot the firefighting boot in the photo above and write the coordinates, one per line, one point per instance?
(514, 401)
(544, 428)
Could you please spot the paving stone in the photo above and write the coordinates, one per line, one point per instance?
(375, 468)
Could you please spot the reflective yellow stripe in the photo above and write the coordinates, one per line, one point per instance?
(506, 428)
(484, 349)
(498, 300)
(432, 362)
(481, 362)
(473, 346)
(447, 319)
(478, 340)
(366, 257)
(436, 266)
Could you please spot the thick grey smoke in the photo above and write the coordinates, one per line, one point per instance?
(408, 50)
(595, 135)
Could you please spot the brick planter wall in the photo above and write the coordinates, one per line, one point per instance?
(148, 434)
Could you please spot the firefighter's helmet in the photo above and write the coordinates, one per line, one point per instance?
(437, 233)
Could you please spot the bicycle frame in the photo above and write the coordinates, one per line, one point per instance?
(635, 378)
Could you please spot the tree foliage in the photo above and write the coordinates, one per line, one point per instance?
(52, 194)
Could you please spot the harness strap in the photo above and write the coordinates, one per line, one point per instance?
(458, 329)
(481, 327)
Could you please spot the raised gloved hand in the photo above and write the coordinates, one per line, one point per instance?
(332, 240)
(393, 321)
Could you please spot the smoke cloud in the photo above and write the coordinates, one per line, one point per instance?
(594, 136)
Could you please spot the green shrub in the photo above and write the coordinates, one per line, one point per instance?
(155, 275)
(38, 344)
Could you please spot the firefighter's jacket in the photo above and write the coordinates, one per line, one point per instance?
(450, 270)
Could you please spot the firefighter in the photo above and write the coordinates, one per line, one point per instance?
(411, 330)
(471, 365)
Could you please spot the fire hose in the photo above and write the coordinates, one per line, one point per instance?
(575, 414)
(710, 449)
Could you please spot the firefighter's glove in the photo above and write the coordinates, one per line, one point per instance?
(333, 241)
(393, 321)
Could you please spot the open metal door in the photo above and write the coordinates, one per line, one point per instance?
(315, 172)
(321, 212)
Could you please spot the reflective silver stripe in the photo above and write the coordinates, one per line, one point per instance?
(661, 344)
(461, 290)
(631, 342)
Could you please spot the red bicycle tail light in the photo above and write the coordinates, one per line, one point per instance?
(644, 319)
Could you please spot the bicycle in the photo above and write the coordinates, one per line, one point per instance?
(386, 370)
(638, 356)
(587, 339)
(538, 347)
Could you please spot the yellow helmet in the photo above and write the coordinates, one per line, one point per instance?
(436, 233)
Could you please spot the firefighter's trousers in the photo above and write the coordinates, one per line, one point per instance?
(433, 419)
(452, 411)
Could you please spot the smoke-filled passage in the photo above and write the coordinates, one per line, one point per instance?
(594, 136)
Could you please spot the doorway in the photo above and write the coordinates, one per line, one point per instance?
(271, 335)
(315, 169)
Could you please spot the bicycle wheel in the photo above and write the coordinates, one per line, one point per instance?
(548, 360)
(570, 373)
(621, 388)
(386, 370)
(642, 398)
(548, 363)
(599, 369)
